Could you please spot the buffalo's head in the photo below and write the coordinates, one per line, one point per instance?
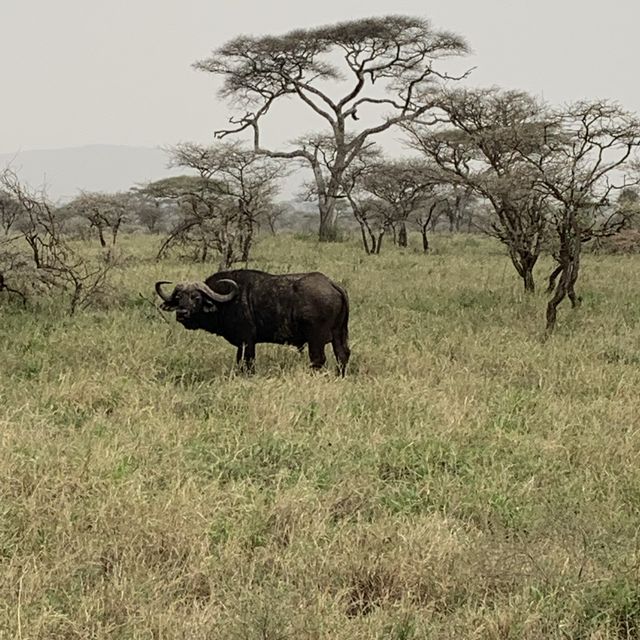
(194, 302)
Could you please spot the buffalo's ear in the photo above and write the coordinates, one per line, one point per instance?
(168, 306)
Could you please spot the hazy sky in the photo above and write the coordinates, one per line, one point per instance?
(78, 72)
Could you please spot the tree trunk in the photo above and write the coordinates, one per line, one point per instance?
(569, 258)
(457, 212)
(425, 240)
(552, 278)
(247, 241)
(372, 240)
(529, 283)
(114, 232)
(103, 242)
(226, 256)
(524, 262)
(32, 241)
(565, 287)
(328, 222)
(365, 244)
(402, 234)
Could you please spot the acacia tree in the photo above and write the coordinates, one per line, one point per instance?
(222, 206)
(580, 167)
(458, 209)
(150, 213)
(480, 150)
(396, 53)
(370, 213)
(207, 220)
(275, 212)
(49, 261)
(403, 185)
(249, 180)
(105, 212)
(440, 199)
(628, 201)
(373, 217)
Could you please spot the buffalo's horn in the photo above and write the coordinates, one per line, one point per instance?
(160, 292)
(219, 297)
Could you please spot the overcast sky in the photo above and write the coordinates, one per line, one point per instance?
(77, 72)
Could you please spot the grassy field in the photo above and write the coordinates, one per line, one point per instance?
(465, 480)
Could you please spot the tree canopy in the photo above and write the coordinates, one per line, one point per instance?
(389, 65)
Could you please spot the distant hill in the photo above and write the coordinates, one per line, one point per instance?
(91, 168)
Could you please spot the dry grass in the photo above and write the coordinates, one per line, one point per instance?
(466, 480)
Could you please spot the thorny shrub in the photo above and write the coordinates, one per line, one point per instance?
(36, 258)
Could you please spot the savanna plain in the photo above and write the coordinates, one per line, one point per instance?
(467, 479)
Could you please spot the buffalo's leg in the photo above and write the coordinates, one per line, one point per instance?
(250, 357)
(239, 354)
(342, 352)
(316, 354)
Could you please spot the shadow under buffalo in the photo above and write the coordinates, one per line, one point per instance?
(272, 362)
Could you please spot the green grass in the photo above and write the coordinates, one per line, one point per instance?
(465, 480)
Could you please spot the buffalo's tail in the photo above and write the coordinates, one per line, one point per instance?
(343, 321)
(341, 336)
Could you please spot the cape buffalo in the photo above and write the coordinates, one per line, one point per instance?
(247, 307)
